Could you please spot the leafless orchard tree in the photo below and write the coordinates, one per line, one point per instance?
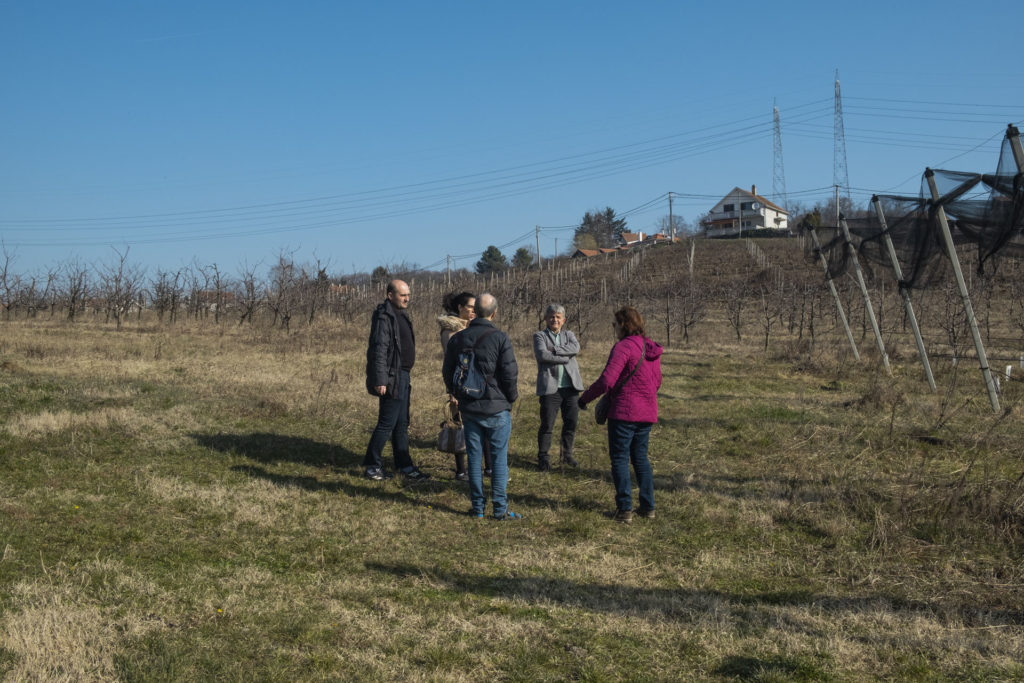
(280, 290)
(74, 287)
(771, 310)
(9, 282)
(247, 292)
(120, 286)
(166, 290)
(734, 300)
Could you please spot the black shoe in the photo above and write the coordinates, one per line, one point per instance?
(544, 463)
(461, 476)
(623, 516)
(377, 474)
(645, 513)
(570, 461)
(414, 474)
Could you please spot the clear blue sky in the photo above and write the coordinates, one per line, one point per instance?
(387, 132)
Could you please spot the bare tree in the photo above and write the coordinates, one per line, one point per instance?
(120, 284)
(692, 306)
(247, 292)
(734, 295)
(771, 311)
(280, 291)
(9, 282)
(74, 287)
(166, 290)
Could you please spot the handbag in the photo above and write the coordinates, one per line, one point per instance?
(452, 436)
(604, 404)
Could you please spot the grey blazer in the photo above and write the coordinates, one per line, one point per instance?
(549, 357)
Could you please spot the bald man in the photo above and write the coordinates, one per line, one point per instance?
(390, 356)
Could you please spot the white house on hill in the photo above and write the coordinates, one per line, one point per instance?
(740, 210)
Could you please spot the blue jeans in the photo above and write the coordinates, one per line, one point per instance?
(393, 424)
(494, 430)
(627, 443)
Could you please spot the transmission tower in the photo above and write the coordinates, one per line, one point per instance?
(840, 177)
(779, 176)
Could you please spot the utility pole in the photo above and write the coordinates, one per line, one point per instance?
(779, 175)
(537, 234)
(840, 175)
(448, 260)
(671, 221)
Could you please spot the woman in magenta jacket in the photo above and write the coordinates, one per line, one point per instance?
(631, 377)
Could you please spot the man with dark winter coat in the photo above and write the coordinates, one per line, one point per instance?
(389, 360)
(488, 417)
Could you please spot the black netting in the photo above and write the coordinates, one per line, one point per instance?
(985, 210)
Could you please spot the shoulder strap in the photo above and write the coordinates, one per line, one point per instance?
(619, 385)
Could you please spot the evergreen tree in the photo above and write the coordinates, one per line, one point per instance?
(523, 258)
(491, 261)
(603, 226)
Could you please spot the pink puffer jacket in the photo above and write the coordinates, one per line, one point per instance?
(637, 399)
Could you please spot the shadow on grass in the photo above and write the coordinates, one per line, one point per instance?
(691, 604)
(379, 490)
(270, 448)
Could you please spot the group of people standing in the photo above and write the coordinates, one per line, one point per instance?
(630, 381)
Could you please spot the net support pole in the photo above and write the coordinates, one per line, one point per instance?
(947, 238)
(868, 307)
(1018, 152)
(835, 294)
(905, 295)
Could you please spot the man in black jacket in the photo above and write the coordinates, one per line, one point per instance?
(489, 416)
(389, 359)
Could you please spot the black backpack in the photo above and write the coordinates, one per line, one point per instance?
(467, 380)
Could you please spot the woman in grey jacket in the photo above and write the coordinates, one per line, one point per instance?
(558, 385)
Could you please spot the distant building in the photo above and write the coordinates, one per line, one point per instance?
(740, 211)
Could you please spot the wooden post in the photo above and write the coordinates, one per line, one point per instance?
(947, 238)
(835, 294)
(904, 294)
(869, 309)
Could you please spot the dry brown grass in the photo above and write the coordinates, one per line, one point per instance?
(186, 503)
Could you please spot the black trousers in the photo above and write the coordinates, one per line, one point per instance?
(393, 425)
(566, 401)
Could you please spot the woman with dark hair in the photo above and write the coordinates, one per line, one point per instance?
(631, 378)
(459, 309)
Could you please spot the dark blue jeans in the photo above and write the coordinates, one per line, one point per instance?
(393, 424)
(627, 443)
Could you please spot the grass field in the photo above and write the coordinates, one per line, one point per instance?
(187, 504)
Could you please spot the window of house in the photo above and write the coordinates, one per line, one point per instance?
(729, 207)
(746, 206)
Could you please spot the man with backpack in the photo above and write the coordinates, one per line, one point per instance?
(480, 373)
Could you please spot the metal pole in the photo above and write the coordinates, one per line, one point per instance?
(907, 305)
(947, 237)
(864, 292)
(835, 294)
